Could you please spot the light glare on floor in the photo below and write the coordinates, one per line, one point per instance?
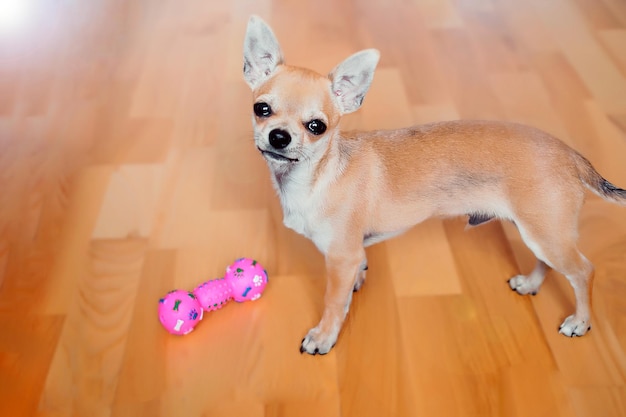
(13, 13)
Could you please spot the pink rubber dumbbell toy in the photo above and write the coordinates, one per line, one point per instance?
(180, 311)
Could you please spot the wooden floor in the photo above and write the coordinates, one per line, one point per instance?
(127, 169)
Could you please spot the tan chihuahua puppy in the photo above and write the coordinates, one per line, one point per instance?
(348, 190)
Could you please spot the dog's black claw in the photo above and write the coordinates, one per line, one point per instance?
(325, 353)
(588, 328)
(366, 268)
(316, 351)
(533, 293)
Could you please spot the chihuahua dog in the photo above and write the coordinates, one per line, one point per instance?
(348, 190)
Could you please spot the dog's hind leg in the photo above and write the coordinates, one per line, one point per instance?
(579, 272)
(557, 249)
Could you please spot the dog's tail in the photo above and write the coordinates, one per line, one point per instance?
(597, 184)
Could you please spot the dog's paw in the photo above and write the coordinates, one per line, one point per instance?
(316, 343)
(522, 285)
(574, 327)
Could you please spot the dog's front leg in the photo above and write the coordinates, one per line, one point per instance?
(342, 269)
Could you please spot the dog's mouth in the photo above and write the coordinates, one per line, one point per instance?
(273, 156)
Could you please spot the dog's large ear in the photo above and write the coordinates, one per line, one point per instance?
(261, 52)
(352, 78)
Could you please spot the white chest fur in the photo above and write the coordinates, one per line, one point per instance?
(304, 207)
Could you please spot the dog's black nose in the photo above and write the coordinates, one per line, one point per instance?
(279, 139)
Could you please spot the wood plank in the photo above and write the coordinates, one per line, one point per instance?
(83, 375)
(423, 263)
(127, 169)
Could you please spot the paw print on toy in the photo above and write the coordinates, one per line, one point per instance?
(258, 280)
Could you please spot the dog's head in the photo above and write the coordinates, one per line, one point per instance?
(297, 110)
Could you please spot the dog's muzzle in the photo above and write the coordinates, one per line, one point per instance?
(278, 139)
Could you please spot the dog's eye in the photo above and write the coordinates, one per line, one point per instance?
(317, 127)
(262, 109)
